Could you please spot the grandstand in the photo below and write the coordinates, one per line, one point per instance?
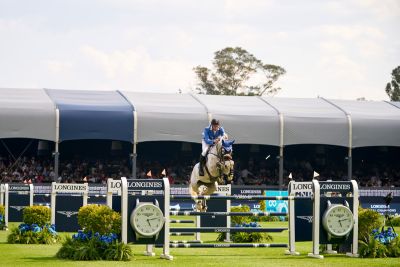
(74, 135)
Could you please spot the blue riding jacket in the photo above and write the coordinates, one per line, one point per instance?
(209, 136)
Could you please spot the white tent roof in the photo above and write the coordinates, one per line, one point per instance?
(248, 120)
(373, 123)
(167, 117)
(311, 121)
(30, 113)
(27, 113)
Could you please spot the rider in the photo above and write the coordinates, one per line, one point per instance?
(212, 134)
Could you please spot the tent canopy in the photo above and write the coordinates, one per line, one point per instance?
(27, 113)
(168, 117)
(311, 121)
(373, 123)
(248, 120)
(109, 115)
(93, 115)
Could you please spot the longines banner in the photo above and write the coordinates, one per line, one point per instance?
(248, 191)
(70, 188)
(369, 198)
(378, 204)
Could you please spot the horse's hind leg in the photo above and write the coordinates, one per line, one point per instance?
(194, 194)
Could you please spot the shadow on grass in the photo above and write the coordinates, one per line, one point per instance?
(40, 259)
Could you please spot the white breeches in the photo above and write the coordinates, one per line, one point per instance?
(204, 148)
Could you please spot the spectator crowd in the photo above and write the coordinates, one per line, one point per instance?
(248, 171)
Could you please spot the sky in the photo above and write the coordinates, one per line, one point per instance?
(334, 49)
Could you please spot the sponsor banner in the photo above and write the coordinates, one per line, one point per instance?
(70, 188)
(41, 189)
(342, 187)
(67, 208)
(377, 203)
(248, 191)
(379, 193)
(180, 190)
(302, 189)
(97, 190)
(18, 188)
(146, 186)
(276, 205)
(115, 187)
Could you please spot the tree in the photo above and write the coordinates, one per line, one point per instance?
(393, 87)
(237, 72)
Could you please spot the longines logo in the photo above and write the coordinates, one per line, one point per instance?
(22, 188)
(335, 186)
(307, 218)
(68, 213)
(19, 208)
(71, 187)
(145, 184)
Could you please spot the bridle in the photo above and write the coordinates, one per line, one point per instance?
(220, 163)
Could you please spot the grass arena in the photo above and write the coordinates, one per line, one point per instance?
(208, 252)
(44, 255)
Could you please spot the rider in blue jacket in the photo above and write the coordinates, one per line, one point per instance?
(212, 134)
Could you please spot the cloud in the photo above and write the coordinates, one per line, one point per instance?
(382, 9)
(136, 69)
(58, 67)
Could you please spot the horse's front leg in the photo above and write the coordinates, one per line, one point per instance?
(195, 193)
(201, 204)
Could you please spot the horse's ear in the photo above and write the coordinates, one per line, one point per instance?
(228, 142)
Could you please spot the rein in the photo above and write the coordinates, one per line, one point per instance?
(220, 160)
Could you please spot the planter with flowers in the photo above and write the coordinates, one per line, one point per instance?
(98, 239)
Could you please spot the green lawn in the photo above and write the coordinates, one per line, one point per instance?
(43, 255)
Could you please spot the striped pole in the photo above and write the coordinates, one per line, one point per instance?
(236, 197)
(185, 241)
(198, 213)
(227, 230)
(180, 221)
(222, 245)
(181, 234)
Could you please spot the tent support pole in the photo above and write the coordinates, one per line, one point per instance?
(56, 163)
(134, 157)
(281, 168)
(349, 165)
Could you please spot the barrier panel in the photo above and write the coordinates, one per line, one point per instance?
(114, 194)
(16, 198)
(66, 200)
(325, 200)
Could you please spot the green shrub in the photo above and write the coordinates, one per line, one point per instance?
(93, 243)
(395, 221)
(118, 251)
(94, 249)
(372, 248)
(394, 248)
(2, 212)
(368, 220)
(99, 219)
(244, 237)
(240, 219)
(39, 215)
(250, 237)
(21, 236)
(266, 218)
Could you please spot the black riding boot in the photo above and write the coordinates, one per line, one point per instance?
(201, 165)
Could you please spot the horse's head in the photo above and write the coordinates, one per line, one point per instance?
(227, 166)
(225, 150)
(227, 146)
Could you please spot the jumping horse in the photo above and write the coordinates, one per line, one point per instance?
(218, 163)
